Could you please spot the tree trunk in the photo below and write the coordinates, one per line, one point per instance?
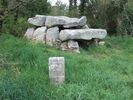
(82, 7)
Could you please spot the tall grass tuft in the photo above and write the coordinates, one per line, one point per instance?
(98, 73)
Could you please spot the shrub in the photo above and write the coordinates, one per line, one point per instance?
(16, 28)
(126, 25)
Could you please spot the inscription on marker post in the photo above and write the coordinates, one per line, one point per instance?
(57, 70)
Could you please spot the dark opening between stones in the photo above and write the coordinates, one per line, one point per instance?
(85, 44)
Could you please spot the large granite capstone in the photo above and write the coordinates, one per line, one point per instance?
(51, 21)
(38, 20)
(82, 34)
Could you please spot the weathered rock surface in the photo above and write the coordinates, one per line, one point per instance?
(40, 34)
(102, 43)
(82, 34)
(85, 27)
(52, 35)
(70, 46)
(29, 33)
(73, 46)
(64, 21)
(74, 22)
(54, 21)
(38, 20)
(64, 46)
(56, 70)
(82, 21)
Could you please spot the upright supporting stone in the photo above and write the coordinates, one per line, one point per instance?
(40, 34)
(56, 70)
(52, 36)
(29, 33)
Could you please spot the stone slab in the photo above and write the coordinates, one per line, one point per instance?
(82, 34)
(57, 70)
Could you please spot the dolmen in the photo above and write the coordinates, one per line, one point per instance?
(63, 32)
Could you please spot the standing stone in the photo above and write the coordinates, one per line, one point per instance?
(29, 33)
(56, 70)
(40, 34)
(52, 36)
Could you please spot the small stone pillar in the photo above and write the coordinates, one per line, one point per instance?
(57, 70)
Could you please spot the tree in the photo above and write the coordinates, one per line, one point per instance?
(105, 14)
(82, 7)
(73, 8)
(3, 12)
(17, 9)
(114, 9)
(59, 9)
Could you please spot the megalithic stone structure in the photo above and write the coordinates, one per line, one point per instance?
(64, 32)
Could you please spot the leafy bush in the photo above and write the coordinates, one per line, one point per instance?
(126, 25)
(16, 28)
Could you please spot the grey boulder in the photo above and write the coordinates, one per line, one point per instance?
(64, 21)
(82, 21)
(29, 33)
(38, 20)
(73, 46)
(85, 27)
(52, 36)
(101, 43)
(54, 21)
(82, 34)
(39, 34)
(64, 46)
(70, 46)
(74, 22)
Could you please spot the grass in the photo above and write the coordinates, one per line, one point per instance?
(99, 73)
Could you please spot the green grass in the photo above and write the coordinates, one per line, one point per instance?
(99, 73)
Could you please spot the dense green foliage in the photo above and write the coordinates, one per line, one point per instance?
(99, 73)
(14, 14)
(113, 15)
(59, 9)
